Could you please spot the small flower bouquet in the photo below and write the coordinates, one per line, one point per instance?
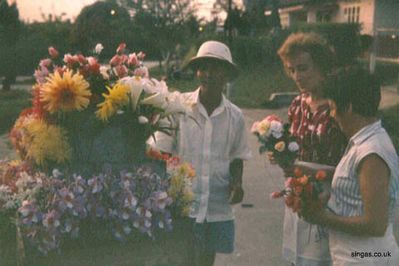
(302, 188)
(273, 136)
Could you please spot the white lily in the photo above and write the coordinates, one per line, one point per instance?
(175, 103)
(157, 100)
(136, 87)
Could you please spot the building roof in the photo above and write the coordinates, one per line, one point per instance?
(287, 3)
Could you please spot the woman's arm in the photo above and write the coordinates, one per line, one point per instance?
(374, 188)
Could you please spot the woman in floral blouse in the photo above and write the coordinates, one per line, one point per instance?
(307, 59)
(317, 133)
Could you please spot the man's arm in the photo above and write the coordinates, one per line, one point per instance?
(236, 190)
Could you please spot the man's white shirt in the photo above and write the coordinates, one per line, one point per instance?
(209, 143)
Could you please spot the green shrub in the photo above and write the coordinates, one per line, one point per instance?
(11, 104)
(390, 120)
(387, 72)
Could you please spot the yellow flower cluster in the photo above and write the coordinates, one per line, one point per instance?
(117, 97)
(66, 92)
(180, 187)
(43, 142)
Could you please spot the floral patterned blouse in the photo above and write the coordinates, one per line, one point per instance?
(318, 134)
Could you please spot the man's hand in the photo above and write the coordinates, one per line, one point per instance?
(235, 187)
(236, 193)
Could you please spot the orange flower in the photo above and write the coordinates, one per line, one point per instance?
(321, 175)
(280, 146)
(303, 180)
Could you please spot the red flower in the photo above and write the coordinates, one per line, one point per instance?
(121, 71)
(321, 175)
(116, 60)
(133, 61)
(273, 117)
(276, 194)
(121, 48)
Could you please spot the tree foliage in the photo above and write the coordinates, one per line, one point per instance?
(101, 22)
(164, 25)
(9, 33)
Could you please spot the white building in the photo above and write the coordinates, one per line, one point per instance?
(372, 15)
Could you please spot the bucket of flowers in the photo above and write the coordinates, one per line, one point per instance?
(84, 183)
(274, 136)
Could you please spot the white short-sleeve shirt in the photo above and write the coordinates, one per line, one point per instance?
(346, 199)
(209, 143)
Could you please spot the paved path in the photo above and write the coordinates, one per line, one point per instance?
(258, 229)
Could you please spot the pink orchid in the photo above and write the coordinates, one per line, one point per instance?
(116, 60)
(53, 52)
(45, 62)
(121, 71)
(121, 48)
(133, 60)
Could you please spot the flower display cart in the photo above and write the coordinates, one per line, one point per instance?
(86, 190)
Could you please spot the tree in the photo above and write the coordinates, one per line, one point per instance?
(275, 22)
(164, 24)
(9, 33)
(102, 22)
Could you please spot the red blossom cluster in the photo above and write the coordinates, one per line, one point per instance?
(301, 188)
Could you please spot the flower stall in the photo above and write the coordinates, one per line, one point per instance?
(86, 191)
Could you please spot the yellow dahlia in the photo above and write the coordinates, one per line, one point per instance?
(66, 92)
(47, 143)
(117, 97)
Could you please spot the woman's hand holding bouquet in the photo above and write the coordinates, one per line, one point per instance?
(276, 140)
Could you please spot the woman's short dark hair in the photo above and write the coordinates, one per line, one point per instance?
(356, 87)
(312, 43)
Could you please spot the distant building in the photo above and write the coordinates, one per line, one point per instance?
(372, 15)
(376, 17)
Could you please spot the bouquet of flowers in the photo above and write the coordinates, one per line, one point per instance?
(273, 136)
(51, 208)
(76, 97)
(301, 189)
(82, 110)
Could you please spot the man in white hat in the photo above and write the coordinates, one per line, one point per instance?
(213, 137)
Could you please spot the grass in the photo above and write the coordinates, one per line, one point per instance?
(11, 104)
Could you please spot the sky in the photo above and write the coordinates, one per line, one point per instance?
(32, 10)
